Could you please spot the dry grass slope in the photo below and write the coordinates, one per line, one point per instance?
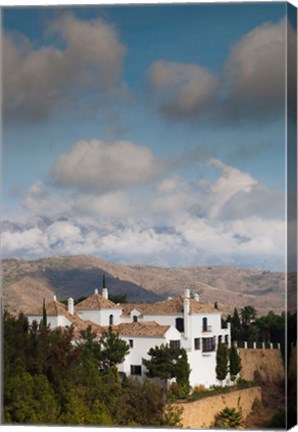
(78, 276)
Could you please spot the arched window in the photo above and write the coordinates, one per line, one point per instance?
(180, 324)
(205, 324)
(111, 319)
(135, 318)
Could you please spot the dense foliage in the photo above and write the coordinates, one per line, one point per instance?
(49, 379)
(268, 328)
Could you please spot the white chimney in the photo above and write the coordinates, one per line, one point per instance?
(170, 298)
(186, 293)
(96, 291)
(54, 298)
(70, 305)
(105, 293)
(196, 297)
(186, 310)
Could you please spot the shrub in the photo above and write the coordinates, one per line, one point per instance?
(199, 389)
(229, 418)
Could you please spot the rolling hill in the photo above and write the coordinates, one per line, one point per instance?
(27, 282)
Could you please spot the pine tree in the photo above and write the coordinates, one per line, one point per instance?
(235, 362)
(168, 362)
(113, 349)
(221, 362)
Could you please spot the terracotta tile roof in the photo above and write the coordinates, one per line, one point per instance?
(174, 305)
(55, 308)
(95, 302)
(145, 328)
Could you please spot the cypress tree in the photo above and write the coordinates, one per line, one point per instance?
(235, 326)
(235, 362)
(104, 280)
(221, 362)
(44, 313)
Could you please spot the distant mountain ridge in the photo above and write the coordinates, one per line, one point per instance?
(27, 282)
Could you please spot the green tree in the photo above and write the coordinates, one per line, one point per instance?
(235, 326)
(113, 349)
(81, 411)
(168, 362)
(182, 372)
(44, 314)
(221, 361)
(103, 280)
(235, 362)
(118, 298)
(29, 399)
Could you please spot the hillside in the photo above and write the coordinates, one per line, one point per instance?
(25, 283)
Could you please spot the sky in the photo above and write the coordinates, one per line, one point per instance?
(146, 134)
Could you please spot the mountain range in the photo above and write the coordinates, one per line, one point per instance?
(27, 282)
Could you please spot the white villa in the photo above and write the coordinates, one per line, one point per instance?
(183, 321)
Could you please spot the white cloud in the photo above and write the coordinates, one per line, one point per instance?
(29, 242)
(38, 80)
(251, 85)
(39, 199)
(227, 185)
(176, 223)
(114, 205)
(186, 89)
(255, 69)
(103, 166)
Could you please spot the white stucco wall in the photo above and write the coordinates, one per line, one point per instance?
(169, 319)
(53, 320)
(101, 316)
(141, 346)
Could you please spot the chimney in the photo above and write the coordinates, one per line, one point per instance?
(70, 305)
(96, 291)
(105, 293)
(170, 298)
(186, 310)
(196, 297)
(186, 293)
(54, 298)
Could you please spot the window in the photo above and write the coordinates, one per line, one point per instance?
(197, 343)
(175, 344)
(111, 319)
(135, 370)
(226, 339)
(180, 324)
(219, 340)
(135, 318)
(130, 343)
(208, 344)
(205, 324)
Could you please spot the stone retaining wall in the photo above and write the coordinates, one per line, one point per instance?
(202, 413)
(262, 365)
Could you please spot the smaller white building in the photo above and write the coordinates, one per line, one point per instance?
(141, 336)
(99, 309)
